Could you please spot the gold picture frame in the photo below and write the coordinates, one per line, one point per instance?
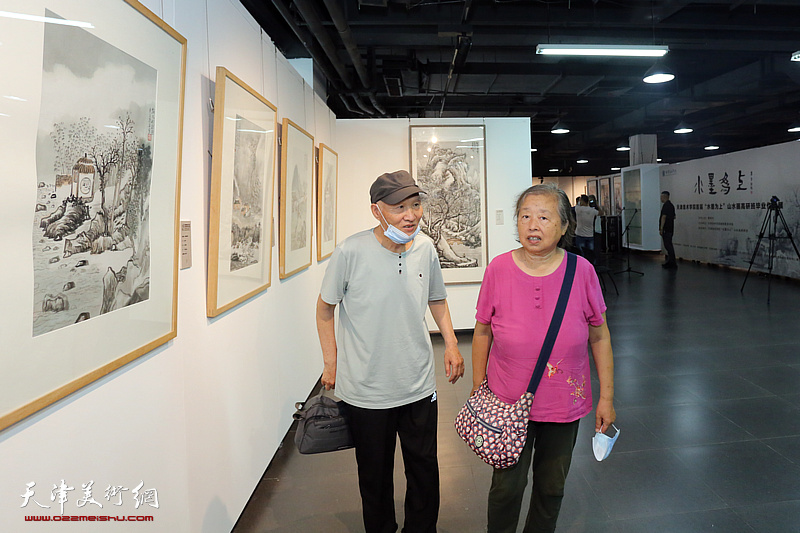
(295, 199)
(327, 189)
(241, 198)
(104, 164)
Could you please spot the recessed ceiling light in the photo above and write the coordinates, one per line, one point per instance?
(658, 73)
(560, 128)
(582, 161)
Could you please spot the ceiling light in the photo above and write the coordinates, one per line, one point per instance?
(623, 147)
(616, 50)
(711, 147)
(794, 128)
(615, 168)
(796, 56)
(534, 149)
(682, 128)
(560, 128)
(582, 161)
(658, 73)
(553, 170)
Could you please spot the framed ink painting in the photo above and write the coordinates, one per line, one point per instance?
(327, 181)
(295, 199)
(242, 177)
(449, 164)
(92, 119)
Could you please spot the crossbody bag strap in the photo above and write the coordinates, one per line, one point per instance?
(555, 323)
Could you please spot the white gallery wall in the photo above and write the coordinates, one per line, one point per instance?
(199, 418)
(370, 147)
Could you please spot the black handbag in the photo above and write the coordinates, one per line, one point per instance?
(321, 425)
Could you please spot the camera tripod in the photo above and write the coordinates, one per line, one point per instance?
(626, 232)
(770, 225)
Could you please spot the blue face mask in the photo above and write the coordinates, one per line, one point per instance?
(394, 234)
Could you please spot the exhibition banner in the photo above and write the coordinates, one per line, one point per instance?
(740, 207)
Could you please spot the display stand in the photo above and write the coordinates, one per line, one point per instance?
(642, 196)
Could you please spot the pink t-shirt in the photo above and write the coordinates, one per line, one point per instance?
(519, 308)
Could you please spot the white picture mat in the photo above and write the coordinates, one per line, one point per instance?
(33, 367)
(300, 157)
(232, 285)
(469, 140)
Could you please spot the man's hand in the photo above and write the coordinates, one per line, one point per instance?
(328, 379)
(453, 363)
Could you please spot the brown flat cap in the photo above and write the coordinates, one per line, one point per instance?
(393, 187)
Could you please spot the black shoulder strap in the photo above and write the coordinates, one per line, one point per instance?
(555, 323)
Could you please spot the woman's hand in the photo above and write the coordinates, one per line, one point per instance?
(605, 415)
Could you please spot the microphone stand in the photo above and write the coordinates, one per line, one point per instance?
(626, 232)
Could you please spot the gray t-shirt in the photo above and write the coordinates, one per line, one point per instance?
(384, 352)
(584, 216)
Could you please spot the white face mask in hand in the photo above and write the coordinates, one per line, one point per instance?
(602, 444)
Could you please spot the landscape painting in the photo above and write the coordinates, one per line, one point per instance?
(242, 177)
(327, 177)
(250, 161)
(448, 163)
(94, 157)
(91, 106)
(296, 206)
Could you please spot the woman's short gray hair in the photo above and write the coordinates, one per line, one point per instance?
(564, 208)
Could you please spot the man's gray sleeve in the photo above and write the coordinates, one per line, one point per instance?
(436, 289)
(334, 283)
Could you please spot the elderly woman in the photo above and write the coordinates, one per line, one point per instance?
(516, 302)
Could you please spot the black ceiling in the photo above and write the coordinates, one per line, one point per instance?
(735, 83)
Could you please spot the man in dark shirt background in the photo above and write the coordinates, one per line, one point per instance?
(666, 227)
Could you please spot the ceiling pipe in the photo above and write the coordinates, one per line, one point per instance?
(316, 54)
(374, 101)
(339, 20)
(306, 9)
(348, 106)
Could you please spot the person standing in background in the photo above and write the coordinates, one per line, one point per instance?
(584, 232)
(666, 227)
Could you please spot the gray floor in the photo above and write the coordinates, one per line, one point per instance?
(708, 404)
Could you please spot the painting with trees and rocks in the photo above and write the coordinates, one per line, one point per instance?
(94, 160)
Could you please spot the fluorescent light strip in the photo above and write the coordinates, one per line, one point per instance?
(50, 20)
(601, 50)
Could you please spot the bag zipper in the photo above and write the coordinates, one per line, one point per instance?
(482, 422)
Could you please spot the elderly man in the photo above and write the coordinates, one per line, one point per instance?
(381, 358)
